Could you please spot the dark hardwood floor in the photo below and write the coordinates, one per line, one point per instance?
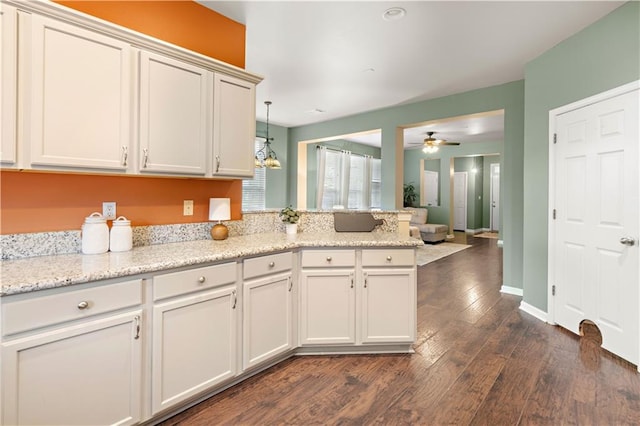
(479, 360)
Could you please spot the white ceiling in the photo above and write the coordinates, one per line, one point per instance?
(343, 58)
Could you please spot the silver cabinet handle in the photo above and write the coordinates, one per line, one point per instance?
(388, 258)
(627, 241)
(83, 305)
(145, 153)
(365, 280)
(235, 299)
(201, 280)
(125, 155)
(351, 281)
(272, 264)
(217, 163)
(329, 259)
(290, 283)
(137, 320)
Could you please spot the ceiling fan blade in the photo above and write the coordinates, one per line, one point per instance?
(449, 143)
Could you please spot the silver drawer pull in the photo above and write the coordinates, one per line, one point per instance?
(83, 305)
(329, 259)
(201, 280)
(272, 264)
(388, 258)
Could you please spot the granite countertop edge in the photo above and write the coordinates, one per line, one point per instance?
(47, 272)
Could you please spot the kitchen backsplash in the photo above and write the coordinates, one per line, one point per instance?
(17, 246)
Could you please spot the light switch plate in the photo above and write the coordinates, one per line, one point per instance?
(187, 209)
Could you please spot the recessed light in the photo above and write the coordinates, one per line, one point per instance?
(393, 14)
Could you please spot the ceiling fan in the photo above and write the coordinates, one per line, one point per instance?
(431, 144)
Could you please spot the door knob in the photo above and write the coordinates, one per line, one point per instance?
(627, 241)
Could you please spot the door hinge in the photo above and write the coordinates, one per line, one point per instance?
(553, 290)
(554, 214)
(555, 138)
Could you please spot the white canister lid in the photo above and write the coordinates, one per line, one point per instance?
(95, 217)
(121, 221)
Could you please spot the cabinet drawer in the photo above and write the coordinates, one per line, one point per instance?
(177, 283)
(269, 264)
(388, 257)
(32, 313)
(328, 258)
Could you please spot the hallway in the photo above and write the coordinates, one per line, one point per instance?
(478, 360)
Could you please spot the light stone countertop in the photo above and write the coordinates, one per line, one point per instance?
(44, 272)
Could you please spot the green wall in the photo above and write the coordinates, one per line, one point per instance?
(276, 180)
(508, 97)
(460, 154)
(600, 57)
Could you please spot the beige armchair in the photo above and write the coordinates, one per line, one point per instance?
(419, 228)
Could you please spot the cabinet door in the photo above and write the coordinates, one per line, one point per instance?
(175, 99)
(8, 84)
(194, 345)
(267, 326)
(388, 305)
(234, 127)
(80, 97)
(327, 307)
(88, 373)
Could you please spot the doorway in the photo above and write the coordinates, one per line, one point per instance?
(594, 224)
(460, 180)
(495, 197)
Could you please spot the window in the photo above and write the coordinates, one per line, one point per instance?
(253, 190)
(354, 185)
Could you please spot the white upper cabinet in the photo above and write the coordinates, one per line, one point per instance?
(8, 84)
(175, 102)
(83, 94)
(79, 108)
(234, 127)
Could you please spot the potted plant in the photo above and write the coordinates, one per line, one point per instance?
(409, 194)
(290, 218)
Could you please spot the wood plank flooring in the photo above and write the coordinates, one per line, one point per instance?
(479, 360)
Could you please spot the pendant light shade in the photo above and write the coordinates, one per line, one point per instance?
(266, 157)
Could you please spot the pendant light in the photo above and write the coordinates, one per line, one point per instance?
(266, 157)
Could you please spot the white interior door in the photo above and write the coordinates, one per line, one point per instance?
(460, 201)
(594, 238)
(430, 186)
(495, 196)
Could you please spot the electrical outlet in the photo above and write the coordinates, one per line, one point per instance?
(109, 210)
(187, 209)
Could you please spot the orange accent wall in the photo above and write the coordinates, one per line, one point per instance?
(183, 23)
(42, 202)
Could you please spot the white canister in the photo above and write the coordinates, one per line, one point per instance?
(121, 235)
(95, 234)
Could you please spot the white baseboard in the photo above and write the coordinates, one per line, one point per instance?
(500, 243)
(532, 310)
(511, 290)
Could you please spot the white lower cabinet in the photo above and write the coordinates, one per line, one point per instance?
(268, 310)
(86, 371)
(388, 306)
(328, 297)
(388, 309)
(327, 307)
(267, 319)
(351, 298)
(194, 333)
